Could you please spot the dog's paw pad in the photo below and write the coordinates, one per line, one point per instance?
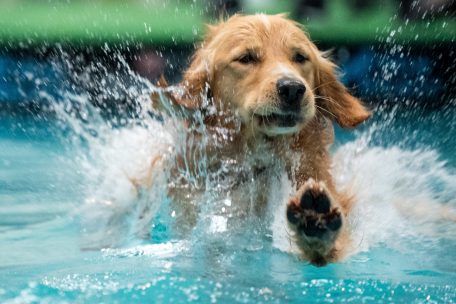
(313, 215)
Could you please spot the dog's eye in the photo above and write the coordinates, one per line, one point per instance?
(299, 58)
(247, 59)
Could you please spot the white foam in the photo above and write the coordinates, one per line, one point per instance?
(113, 207)
(396, 193)
(163, 250)
(401, 194)
(396, 196)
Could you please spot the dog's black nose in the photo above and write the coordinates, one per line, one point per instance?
(290, 92)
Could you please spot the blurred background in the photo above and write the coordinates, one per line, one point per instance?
(390, 51)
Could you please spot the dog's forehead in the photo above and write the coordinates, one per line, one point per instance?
(261, 29)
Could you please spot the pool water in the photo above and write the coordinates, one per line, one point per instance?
(64, 187)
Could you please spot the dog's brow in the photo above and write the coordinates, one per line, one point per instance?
(301, 50)
(250, 50)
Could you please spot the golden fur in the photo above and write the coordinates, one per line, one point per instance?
(236, 71)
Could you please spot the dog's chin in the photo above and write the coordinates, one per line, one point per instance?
(279, 124)
(280, 131)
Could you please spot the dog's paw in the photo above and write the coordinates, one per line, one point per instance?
(313, 213)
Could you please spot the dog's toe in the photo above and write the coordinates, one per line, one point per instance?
(315, 200)
(293, 214)
(307, 200)
(322, 203)
(334, 220)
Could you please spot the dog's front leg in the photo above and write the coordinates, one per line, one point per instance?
(317, 217)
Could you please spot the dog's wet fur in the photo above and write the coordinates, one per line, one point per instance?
(267, 72)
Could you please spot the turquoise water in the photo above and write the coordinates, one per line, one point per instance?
(65, 196)
(404, 160)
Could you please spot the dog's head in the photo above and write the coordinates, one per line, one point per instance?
(266, 68)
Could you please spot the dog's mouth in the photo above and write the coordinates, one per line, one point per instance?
(288, 120)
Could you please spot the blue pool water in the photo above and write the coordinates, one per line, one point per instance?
(65, 196)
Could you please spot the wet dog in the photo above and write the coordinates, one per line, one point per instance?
(267, 97)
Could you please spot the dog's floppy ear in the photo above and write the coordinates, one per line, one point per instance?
(195, 82)
(190, 93)
(334, 97)
(197, 78)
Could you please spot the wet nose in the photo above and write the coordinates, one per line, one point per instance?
(290, 92)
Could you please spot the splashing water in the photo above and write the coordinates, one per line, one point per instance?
(401, 165)
(405, 196)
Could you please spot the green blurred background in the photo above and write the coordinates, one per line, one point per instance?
(399, 51)
(83, 22)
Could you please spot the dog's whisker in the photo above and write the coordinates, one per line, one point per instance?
(252, 121)
(330, 100)
(323, 109)
(324, 84)
(325, 98)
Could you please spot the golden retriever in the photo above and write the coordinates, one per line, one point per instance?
(266, 96)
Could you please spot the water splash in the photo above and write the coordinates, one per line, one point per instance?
(405, 195)
(405, 189)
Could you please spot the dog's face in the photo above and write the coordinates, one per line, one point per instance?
(267, 69)
(264, 66)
